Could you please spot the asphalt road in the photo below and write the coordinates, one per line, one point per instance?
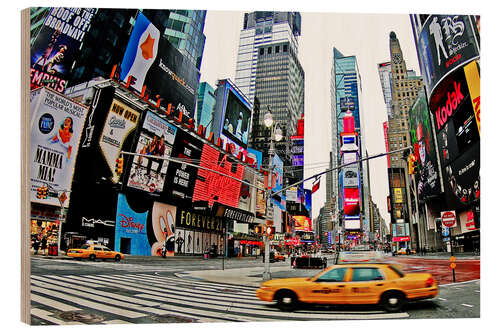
(157, 290)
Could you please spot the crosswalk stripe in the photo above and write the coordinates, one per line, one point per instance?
(115, 322)
(191, 287)
(53, 279)
(215, 285)
(160, 295)
(52, 303)
(87, 303)
(164, 287)
(46, 315)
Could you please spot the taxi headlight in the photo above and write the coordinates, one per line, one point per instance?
(266, 287)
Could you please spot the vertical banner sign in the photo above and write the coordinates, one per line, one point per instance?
(121, 121)
(130, 229)
(57, 44)
(247, 192)
(260, 200)
(56, 128)
(141, 52)
(472, 77)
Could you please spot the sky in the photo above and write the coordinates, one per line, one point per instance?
(365, 36)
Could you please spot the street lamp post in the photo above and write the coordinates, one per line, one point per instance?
(275, 135)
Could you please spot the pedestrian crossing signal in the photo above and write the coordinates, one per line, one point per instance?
(119, 165)
(270, 231)
(258, 229)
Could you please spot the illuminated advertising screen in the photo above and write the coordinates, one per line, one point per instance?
(352, 224)
(297, 150)
(57, 44)
(458, 140)
(400, 229)
(237, 116)
(351, 201)
(423, 140)
(445, 43)
(350, 176)
(302, 223)
(155, 63)
(181, 178)
(214, 187)
(254, 157)
(156, 138)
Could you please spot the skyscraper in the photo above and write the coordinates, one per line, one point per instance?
(404, 88)
(185, 31)
(345, 91)
(269, 73)
(205, 106)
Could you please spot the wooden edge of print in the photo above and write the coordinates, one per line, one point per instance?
(25, 171)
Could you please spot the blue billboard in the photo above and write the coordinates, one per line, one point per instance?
(130, 233)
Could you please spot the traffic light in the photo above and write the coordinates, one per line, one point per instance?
(45, 191)
(119, 165)
(270, 231)
(39, 193)
(258, 229)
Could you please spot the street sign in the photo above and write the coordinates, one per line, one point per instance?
(449, 219)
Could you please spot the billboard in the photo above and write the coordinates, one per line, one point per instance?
(156, 138)
(277, 176)
(56, 129)
(181, 178)
(350, 176)
(446, 42)
(458, 140)
(214, 187)
(120, 122)
(423, 140)
(158, 65)
(131, 229)
(57, 44)
(237, 112)
(254, 157)
(400, 229)
(297, 150)
(302, 223)
(247, 192)
(351, 201)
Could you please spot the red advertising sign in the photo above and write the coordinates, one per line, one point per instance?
(401, 239)
(213, 187)
(470, 224)
(449, 219)
(302, 223)
(351, 201)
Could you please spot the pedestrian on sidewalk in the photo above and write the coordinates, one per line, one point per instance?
(43, 244)
(36, 245)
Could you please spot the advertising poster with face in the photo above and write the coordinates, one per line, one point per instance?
(247, 192)
(422, 140)
(57, 44)
(155, 139)
(121, 121)
(56, 129)
(163, 224)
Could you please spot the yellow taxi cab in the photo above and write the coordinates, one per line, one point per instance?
(404, 251)
(94, 251)
(382, 284)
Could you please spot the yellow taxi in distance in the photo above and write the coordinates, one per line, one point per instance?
(375, 283)
(404, 251)
(93, 252)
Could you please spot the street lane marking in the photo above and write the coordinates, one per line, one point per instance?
(468, 305)
(441, 299)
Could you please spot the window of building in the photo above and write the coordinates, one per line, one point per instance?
(261, 51)
(285, 48)
(269, 50)
(277, 49)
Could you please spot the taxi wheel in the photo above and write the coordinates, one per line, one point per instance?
(117, 257)
(393, 301)
(287, 300)
(92, 257)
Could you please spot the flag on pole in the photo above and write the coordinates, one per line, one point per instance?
(316, 184)
(141, 51)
